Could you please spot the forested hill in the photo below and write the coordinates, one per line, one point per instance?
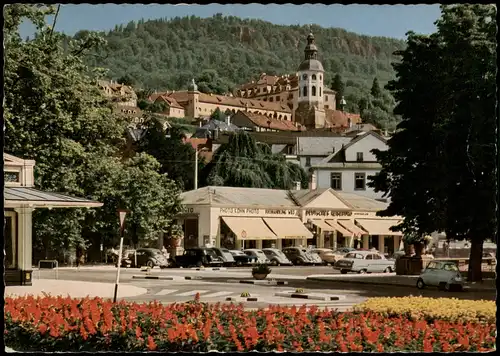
(166, 54)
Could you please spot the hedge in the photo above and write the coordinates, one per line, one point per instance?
(50, 324)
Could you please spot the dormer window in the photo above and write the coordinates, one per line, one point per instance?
(11, 177)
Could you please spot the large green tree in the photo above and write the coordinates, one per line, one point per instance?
(244, 163)
(339, 86)
(440, 169)
(54, 113)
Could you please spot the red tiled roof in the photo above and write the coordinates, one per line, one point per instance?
(196, 142)
(337, 118)
(242, 102)
(267, 122)
(170, 101)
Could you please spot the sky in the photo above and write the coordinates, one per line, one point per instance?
(373, 20)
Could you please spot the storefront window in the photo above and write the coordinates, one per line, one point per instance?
(191, 233)
(10, 244)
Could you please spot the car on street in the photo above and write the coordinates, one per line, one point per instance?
(364, 262)
(339, 253)
(298, 256)
(224, 255)
(326, 254)
(441, 274)
(242, 259)
(149, 257)
(315, 257)
(197, 257)
(255, 252)
(276, 257)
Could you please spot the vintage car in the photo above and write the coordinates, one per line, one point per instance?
(225, 255)
(276, 257)
(255, 252)
(242, 259)
(364, 262)
(197, 257)
(326, 255)
(441, 274)
(339, 253)
(299, 256)
(150, 257)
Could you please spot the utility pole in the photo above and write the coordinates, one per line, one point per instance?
(196, 168)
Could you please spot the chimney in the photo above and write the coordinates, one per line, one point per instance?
(228, 119)
(297, 185)
(312, 182)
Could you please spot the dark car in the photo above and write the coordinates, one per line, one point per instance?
(224, 255)
(298, 256)
(197, 257)
(150, 257)
(242, 259)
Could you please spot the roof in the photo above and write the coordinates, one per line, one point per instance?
(123, 110)
(243, 103)
(268, 122)
(221, 125)
(320, 146)
(170, 101)
(311, 64)
(237, 196)
(362, 136)
(196, 141)
(337, 118)
(15, 196)
(135, 133)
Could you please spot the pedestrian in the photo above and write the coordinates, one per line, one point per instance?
(78, 256)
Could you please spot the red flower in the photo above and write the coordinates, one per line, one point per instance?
(42, 329)
(151, 343)
(138, 332)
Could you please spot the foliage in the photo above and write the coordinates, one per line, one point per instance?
(218, 115)
(430, 309)
(261, 268)
(54, 324)
(440, 169)
(54, 113)
(244, 163)
(375, 90)
(339, 86)
(176, 157)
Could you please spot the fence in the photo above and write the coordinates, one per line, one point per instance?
(48, 264)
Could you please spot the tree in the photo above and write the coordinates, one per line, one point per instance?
(54, 113)
(375, 90)
(339, 86)
(244, 163)
(439, 170)
(175, 157)
(126, 80)
(217, 115)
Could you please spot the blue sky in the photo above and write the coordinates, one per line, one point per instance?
(374, 20)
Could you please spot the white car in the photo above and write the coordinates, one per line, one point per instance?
(442, 274)
(259, 254)
(364, 262)
(276, 257)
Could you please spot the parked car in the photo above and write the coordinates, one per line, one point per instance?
(326, 255)
(298, 256)
(242, 259)
(224, 255)
(276, 257)
(341, 252)
(441, 274)
(316, 258)
(364, 262)
(255, 252)
(197, 257)
(150, 257)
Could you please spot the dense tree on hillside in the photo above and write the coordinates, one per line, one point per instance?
(375, 90)
(55, 113)
(440, 169)
(244, 163)
(168, 53)
(339, 86)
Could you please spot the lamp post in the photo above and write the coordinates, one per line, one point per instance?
(121, 213)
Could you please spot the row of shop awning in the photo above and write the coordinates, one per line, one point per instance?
(254, 228)
(369, 226)
(267, 228)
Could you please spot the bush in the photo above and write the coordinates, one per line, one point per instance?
(261, 268)
(64, 324)
(430, 309)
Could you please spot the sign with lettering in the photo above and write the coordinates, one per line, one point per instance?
(281, 212)
(187, 210)
(239, 211)
(258, 212)
(328, 213)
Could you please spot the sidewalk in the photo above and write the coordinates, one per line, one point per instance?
(75, 289)
(393, 280)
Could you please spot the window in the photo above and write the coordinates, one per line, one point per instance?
(336, 181)
(304, 77)
(304, 91)
(11, 177)
(319, 91)
(369, 257)
(314, 77)
(313, 91)
(320, 77)
(277, 98)
(326, 106)
(377, 257)
(271, 99)
(359, 156)
(359, 181)
(326, 97)
(308, 161)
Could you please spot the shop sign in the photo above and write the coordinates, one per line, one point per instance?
(186, 210)
(259, 212)
(239, 211)
(328, 213)
(280, 212)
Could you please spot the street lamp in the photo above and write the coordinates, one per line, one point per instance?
(121, 214)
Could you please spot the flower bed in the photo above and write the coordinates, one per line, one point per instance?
(66, 324)
(430, 309)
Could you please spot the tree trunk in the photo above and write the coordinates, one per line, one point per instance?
(475, 261)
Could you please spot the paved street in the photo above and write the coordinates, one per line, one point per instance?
(216, 285)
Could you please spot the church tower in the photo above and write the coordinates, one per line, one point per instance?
(311, 108)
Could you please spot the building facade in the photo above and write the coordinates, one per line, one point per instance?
(237, 218)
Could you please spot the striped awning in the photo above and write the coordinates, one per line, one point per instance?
(249, 228)
(339, 228)
(349, 225)
(323, 225)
